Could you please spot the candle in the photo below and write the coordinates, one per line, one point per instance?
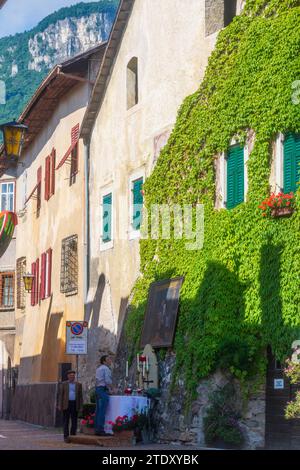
(126, 368)
(144, 369)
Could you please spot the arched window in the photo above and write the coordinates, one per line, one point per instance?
(230, 7)
(132, 83)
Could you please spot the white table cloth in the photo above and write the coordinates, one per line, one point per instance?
(120, 405)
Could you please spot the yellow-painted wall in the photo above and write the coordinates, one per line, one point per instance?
(40, 341)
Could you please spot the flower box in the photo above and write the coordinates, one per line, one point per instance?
(282, 211)
(278, 205)
(87, 430)
(125, 437)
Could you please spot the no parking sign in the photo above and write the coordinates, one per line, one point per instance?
(76, 337)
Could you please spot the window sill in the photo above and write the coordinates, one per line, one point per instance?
(134, 234)
(106, 246)
(134, 109)
(7, 309)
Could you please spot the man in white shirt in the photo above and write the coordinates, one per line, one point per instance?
(103, 387)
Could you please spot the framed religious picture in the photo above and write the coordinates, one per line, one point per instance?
(161, 313)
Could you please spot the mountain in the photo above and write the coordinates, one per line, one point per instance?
(26, 58)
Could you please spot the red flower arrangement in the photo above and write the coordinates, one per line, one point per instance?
(89, 421)
(123, 423)
(278, 204)
(142, 359)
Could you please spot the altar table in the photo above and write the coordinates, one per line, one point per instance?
(120, 405)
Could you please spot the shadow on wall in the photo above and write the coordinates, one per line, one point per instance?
(271, 299)
(100, 339)
(43, 367)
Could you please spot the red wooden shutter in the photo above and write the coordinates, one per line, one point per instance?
(47, 179)
(49, 267)
(75, 134)
(43, 277)
(33, 285)
(37, 274)
(39, 187)
(53, 159)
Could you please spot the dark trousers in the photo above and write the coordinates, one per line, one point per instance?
(70, 413)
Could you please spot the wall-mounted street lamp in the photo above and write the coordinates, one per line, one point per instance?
(14, 137)
(28, 281)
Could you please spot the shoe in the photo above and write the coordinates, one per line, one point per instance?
(102, 433)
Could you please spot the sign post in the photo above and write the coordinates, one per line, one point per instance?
(76, 339)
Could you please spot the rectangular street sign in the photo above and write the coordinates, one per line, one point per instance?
(76, 337)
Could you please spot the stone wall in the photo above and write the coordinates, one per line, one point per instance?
(174, 425)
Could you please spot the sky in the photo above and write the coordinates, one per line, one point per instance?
(18, 16)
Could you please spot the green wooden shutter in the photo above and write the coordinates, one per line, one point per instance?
(235, 176)
(291, 163)
(137, 203)
(107, 218)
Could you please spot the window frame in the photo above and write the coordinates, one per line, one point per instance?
(106, 191)
(130, 60)
(3, 275)
(223, 172)
(8, 181)
(133, 234)
(64, 272)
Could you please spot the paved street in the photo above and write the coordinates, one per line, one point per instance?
(15, 435)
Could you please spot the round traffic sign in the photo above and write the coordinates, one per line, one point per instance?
(77, 329)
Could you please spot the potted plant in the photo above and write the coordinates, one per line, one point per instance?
(292, 371)
(130, 428)
(278, 205)
(221, 423)
(87, 423)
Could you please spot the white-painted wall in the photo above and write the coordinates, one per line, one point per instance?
(168, 38)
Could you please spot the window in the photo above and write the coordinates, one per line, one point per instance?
(46, 272)
(291, 162)
(137, 200)
(21, 270)
(69, 266)
(74, 165)
(74, 154)
(107, 218)
(8, 196)
(235, 176)
(230, 8)
(7, 290)
(132, 83)
(50, 175)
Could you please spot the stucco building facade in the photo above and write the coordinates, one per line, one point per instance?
(155, 57)
(50, 241)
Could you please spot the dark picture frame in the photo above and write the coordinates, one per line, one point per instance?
(161, 313)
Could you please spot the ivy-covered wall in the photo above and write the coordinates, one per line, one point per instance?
(241, 290)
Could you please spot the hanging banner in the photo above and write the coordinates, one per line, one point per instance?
(76, 337)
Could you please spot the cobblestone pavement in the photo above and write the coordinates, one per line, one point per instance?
(16, 435)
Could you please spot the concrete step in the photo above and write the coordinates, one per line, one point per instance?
(100, 441)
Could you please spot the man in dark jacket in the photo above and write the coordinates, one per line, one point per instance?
(70, 401)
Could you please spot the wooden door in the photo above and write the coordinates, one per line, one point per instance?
(280, 432)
